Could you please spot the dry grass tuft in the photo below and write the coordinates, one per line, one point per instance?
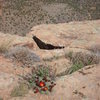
(85, 58)
(95, 49)
(23, 55)
(79, 60)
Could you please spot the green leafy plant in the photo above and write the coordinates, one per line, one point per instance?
(79, 60)
(41, 81)
(76, 66)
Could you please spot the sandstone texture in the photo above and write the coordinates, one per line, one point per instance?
(82, 85)
(83, 37)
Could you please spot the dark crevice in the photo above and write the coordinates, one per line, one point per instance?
(45, 46)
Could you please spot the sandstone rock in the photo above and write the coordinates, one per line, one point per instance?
(81, 85)
(75, 36)
(16, 40)
(81, 37)
(6, 80)
(27, 44)
(7, 66)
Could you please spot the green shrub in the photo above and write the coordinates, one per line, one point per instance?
(75, 67)
(79, 60)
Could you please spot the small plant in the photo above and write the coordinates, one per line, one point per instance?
(95, 49)
(69, 55)
(75, 67)
(41, 80)
(79, 60)
(55, 57)
(23, 55)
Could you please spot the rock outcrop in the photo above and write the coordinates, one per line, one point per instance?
(77, 37)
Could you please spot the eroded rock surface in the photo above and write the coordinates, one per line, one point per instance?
(77, 37)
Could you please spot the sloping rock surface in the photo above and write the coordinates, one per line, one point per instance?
(75, 36)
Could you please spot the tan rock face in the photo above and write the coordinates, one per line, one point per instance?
(14, 39)
(7, 66)
(77, 37)
(6, 80)
(61, 33)
(83, 84)
(7, 83)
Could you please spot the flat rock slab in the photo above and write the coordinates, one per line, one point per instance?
(68, 33)
(81, 85)
(75, 36)
(6, 80)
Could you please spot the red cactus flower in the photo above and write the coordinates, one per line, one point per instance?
(36, 90)
(45, 89)
(50, 89)
(52, 82)
(41, 84)
(45, 79)
(51, 86)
